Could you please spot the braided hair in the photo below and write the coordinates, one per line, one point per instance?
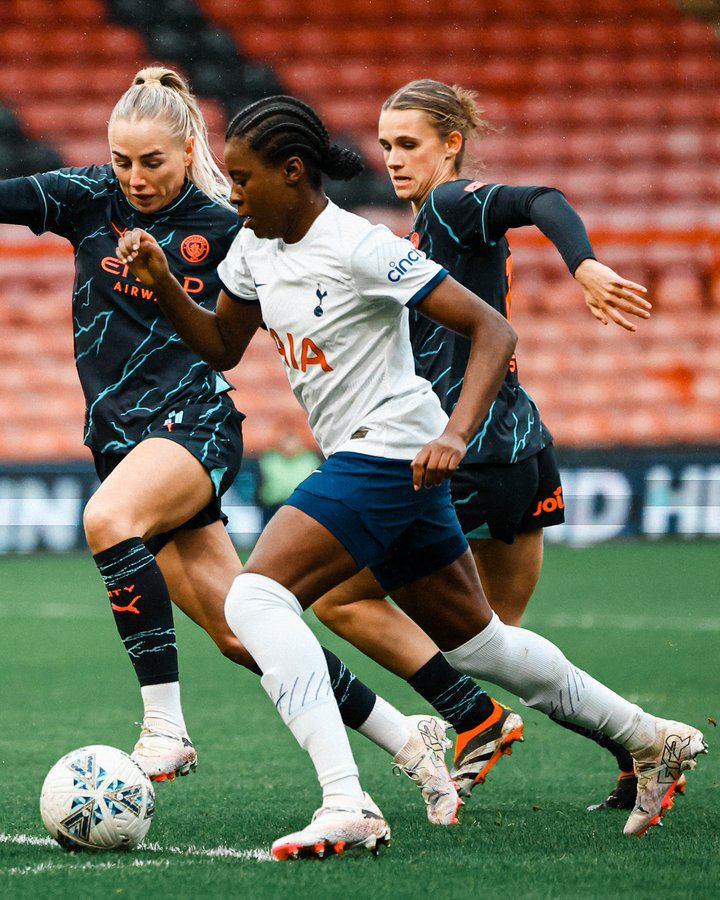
(281, 126)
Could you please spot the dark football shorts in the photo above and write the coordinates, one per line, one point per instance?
(501, 501)
(369, 504)
(212, 432)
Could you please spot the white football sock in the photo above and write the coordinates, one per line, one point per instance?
(536, 671)
(266, 617)
(386, 727)
(162, 705)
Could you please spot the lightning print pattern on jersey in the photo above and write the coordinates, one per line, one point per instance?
(131, 363)
(452, 228)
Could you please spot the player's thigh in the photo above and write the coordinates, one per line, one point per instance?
(301, 554)
(449, 604)
(158, 486)
(509, 572)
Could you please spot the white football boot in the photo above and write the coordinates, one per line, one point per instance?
(162, 753)
(659, 769)
(336, 829)
(422, 759)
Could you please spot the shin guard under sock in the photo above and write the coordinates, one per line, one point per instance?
(143, 612)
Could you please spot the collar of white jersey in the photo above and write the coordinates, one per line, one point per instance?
(315, 228)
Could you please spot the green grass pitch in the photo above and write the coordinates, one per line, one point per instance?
(645, 618)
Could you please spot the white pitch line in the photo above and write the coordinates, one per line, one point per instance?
(258, 854)
(67, 867)
(587, 621)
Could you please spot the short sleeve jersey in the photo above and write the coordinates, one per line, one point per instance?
(461, 226)
(133, 367)
(336, 305)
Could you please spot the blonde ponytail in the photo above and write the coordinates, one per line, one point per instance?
(160, 93)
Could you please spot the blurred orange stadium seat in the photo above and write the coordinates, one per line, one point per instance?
(680, 289)
(625, 121)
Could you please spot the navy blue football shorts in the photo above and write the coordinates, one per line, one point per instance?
(368, 503)
(212, 432)
(500, 501)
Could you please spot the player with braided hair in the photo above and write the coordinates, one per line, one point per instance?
(282, 124)
(165, 436)
(507, 489)
(382, 497)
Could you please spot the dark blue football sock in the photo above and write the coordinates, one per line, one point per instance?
(622, 756)
(457, 698)
(143, 612)
(355, 700)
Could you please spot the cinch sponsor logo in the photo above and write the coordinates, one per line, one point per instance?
(550, 504)
(310, 353)
(135, 288)
(397, 270)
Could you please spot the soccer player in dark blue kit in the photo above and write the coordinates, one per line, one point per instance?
(507, 488)
(164, 433)
(165, 436)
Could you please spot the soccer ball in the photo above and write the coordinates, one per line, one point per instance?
(97, 798)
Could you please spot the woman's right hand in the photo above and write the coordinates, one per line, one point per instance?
(142, 254)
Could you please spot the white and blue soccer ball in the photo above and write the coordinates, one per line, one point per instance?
(97, 798)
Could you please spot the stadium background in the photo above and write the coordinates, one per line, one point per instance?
(616, 103)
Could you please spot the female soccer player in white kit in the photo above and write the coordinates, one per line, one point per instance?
(333, 291)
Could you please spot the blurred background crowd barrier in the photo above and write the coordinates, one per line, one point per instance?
(616, 103)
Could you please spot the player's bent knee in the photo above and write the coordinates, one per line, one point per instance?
(330, 612)
(104, 527)
(251, 596)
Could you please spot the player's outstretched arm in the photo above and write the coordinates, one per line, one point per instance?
(492, 343)
(221, 337)
(608, 295)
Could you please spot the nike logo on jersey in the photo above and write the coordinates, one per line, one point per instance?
(257, 284)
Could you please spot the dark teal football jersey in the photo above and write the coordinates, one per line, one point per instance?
(133, 367)
(462, 226)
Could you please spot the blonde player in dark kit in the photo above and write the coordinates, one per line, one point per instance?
(382, 497)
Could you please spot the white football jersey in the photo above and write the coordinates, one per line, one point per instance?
(335, 303)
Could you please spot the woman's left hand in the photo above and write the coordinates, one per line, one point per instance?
(608, 295)
(437, 460)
